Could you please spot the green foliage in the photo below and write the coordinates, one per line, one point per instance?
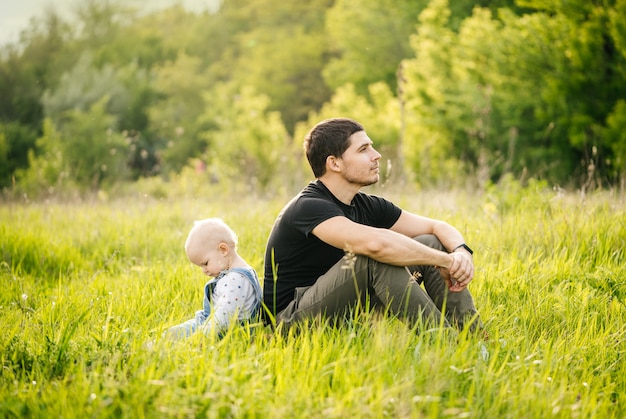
(86, 340)
(369, 39)
(280, 49)
(15, 141)
(84, 85)
(478, 89)
(173, 119)
(4, 151)
(427, 147)
(119, 32)
(46, 170)
(92, 150)
(32, 66)
(247, 143)
(616, 135)
(513, 94)
(87, 152)
(4, 161)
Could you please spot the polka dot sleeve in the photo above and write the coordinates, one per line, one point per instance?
(233, 298)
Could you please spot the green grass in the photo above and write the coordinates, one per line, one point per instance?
(88, 287)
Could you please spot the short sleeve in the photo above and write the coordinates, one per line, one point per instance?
(308, 213)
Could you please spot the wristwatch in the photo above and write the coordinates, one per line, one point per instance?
(464, 246)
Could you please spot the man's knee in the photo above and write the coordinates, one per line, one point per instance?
(357, 263)
(430, 240)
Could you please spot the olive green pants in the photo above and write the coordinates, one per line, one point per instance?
(360, 280)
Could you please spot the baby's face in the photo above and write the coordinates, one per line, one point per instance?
(212, 259)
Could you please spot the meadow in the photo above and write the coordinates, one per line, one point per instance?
(89, 285)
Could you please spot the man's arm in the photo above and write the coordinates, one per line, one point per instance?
(462, 269)
(413, 225)
(395, 246)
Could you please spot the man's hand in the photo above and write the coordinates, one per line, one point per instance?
(461, 271)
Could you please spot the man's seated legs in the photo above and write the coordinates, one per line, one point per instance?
(459, 306)
(349, 283)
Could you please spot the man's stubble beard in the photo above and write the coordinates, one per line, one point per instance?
(361, 182)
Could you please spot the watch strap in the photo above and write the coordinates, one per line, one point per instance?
(464, 246)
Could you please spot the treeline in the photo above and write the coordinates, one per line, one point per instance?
(448, 91)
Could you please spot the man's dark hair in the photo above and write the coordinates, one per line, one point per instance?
(328, 138)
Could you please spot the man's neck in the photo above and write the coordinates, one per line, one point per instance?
(341, 189)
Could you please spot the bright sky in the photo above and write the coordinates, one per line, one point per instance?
(15, 15)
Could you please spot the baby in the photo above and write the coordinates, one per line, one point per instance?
(234, 293)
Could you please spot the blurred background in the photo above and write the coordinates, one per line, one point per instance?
(103, 96)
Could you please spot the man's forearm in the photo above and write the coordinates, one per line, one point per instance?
(448, 235)
(397, 249)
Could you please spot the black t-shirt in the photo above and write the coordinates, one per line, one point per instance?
(299, 256)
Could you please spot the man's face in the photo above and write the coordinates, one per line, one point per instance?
(360, 162)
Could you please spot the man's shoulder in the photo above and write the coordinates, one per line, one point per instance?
(313, 205)
(315, 189)
(312, 194)
(363, 198)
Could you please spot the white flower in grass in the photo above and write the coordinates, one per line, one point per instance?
(24, 297)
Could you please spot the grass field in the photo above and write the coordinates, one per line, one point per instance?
(87, 286)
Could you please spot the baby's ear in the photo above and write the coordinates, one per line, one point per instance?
(223, 248)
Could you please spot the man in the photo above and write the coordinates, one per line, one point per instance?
(389, 251)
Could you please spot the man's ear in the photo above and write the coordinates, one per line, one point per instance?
(332, 164)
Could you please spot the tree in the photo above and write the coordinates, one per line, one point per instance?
(615, 135)
(31, 66)
(4, 161)
(368, 40)
(245, 142)
(429, 86)
(87, 153)
(280, 49)
(15, 141)
(84, 85)
(446, 89)
(92, 149)
(45, 171)
(174, 119)
(520, 94)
